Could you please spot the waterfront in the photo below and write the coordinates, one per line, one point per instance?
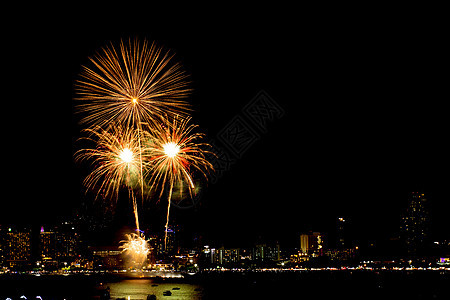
(323, 284)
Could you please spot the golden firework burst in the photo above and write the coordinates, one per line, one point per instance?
(136, 248)
(174, 152)
(131, 83)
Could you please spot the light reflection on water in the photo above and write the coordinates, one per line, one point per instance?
(138, 289)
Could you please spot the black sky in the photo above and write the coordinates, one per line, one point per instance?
(365, 121)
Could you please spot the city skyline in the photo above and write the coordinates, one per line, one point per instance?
(112, 221)
(413, 232)
(65, 246)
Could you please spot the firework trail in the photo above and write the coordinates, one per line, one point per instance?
(175, 152)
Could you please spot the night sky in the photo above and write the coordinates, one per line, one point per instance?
(365, 116)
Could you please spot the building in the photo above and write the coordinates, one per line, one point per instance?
(47, 244)
(260, 254)
(172, 246)
(222, 256)
(107, 257)
(155, 245)
(159, 249)
(67, 245)
(209, 256)
(215, 256)
(341, 255)
(265, 253)
(312, 243)
(59, 243)
(206, 255)
(231, 256)
(415, 223)
(298, 257)
(340, 232)
(17, 247)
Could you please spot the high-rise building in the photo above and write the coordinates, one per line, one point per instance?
(17, 247)
(231, 255)
(312, 243)
(415, 223)
(266, 253)
(222, 256)
(67, 245)
(172, 246)
(60, 243)
(340, 233)
(47, 246)
(206, 255)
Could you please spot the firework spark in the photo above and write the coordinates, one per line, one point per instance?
(175, 153)
(136, 247)
(132, 83)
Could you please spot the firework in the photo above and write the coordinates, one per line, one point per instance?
(136, 247)
(132, 83)
(115, 160)
(126, 98)
(175, 153)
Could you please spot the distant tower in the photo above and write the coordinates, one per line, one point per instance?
(172, 240)
(340, 233)
(415, 223)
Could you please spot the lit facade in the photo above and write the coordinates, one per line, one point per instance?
(17, 247)
(312, 243)
(47, 241)
(172, 243)
(60, 243)
(107, 257)
(340, 232)
(415, 223)
(266, 253)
